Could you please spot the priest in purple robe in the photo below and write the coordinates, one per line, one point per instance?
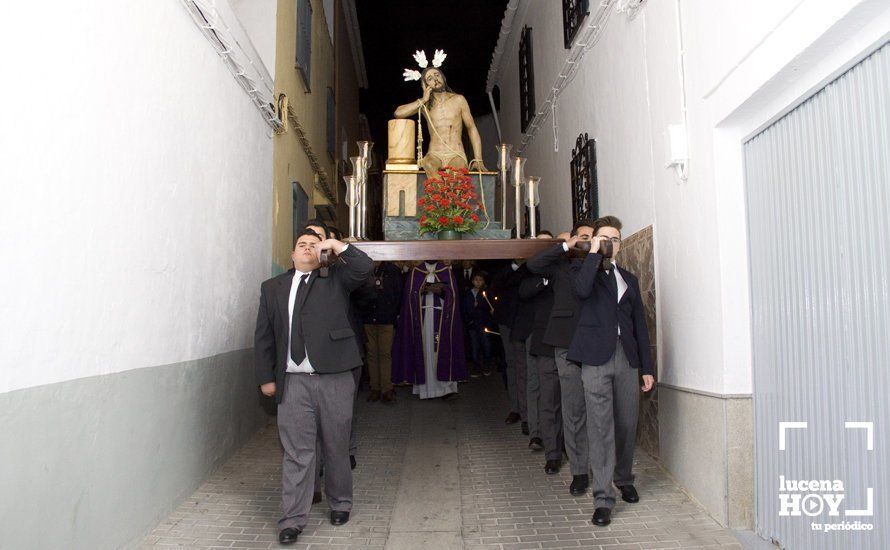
(428, 349)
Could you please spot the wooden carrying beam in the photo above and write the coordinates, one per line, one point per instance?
(477, 249)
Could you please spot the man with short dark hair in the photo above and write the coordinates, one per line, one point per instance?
(612, 345)
(553, 263)
(305, 350)
(318, 226)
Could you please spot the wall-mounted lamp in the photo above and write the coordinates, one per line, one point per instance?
(678, 150)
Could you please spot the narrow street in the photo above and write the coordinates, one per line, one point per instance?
(437, 474)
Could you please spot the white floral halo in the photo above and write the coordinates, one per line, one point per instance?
(420, 56)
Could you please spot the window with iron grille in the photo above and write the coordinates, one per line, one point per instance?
(303, 61)
(573, 13)
(585, 185)
(526, 79)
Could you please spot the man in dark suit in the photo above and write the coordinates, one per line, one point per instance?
(464, 275)
(305, 350)
(505, 293)
(543, 378)
(612, 345)
(379, 303)
(520, 331)
(553, 263)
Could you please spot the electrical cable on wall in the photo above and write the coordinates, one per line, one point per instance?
(237, 58)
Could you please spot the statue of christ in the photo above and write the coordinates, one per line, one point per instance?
(447, 113)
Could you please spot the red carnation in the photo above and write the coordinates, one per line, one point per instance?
(458, 220)
(429, 208)
(474, 217)
(443, 220)
(423, 219)
(421, 201)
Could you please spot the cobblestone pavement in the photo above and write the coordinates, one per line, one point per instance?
(506, 501)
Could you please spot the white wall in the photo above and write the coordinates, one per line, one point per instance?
(258, 17)
(135, 225)
(744, 62)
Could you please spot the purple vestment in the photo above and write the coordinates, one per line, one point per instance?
(407, 347)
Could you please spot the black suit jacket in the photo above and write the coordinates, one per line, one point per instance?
(540, 295)
(601, 314)
(505, 294)
(554, 264)
(464, 285)
(524, 314)
(331, 342)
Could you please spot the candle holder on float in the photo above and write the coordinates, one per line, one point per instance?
(503, 150)
(517, 181)
(364, 152)
(532, 200)
(351, 201)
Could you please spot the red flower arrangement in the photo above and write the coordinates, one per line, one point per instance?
(449, 202)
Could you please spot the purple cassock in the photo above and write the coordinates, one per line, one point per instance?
(408, 349)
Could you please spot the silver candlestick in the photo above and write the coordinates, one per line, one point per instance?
(517, 181)
(364, 151)
(532, 200)
(503, 167)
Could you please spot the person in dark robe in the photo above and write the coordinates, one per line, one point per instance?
(428, 350)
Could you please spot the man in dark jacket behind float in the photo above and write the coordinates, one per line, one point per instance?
(505, 295)
(380, 301)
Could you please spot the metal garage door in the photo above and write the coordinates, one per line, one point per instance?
(818, 189)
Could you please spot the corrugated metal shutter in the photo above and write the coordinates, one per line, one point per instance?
(818, 184)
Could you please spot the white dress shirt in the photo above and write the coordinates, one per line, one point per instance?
(622, 285)
(305, 366)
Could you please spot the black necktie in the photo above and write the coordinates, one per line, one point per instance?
(297, 344)
(612, 281)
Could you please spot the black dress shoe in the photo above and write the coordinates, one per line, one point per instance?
(602, 516)
(525, 428)
(579, 485)
(352, 462)
(339, 518)
(288, 535)
(629, 493)
(512, 418)
(552, 466)
(536, 444)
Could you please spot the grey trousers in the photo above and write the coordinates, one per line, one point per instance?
(548, 406)
(612, 396)
(574, 412)
(533, 391)
(517, 374)
(353, 443)
(315, 405)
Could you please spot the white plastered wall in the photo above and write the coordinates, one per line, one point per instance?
(744, 62)
(135, 226)
(258, 18)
